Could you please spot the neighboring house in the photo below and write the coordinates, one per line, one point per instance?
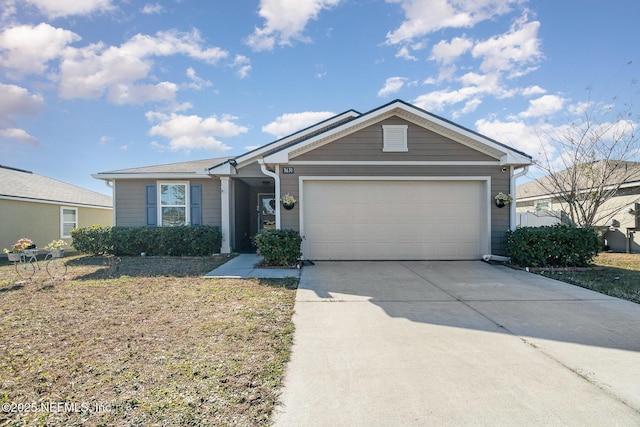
(394, 183)
(619, 217)
(44, 209)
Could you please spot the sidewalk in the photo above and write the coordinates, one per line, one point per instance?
(243, 267)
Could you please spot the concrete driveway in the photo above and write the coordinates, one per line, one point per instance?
(457, 343)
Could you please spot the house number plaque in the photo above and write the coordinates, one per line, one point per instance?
(287, 170)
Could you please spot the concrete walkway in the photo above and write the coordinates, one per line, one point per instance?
(243, 267)
(457, 343)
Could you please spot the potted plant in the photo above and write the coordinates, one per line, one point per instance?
(288, 201)
(503, 199)
(56, 247)
(16, 250)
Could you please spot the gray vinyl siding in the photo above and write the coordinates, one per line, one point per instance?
(499, 182)
(130, 201)
(366, 144)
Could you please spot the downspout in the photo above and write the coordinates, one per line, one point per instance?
(276, 179)
(512, 184)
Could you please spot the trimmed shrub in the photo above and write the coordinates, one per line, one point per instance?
(552, 246)
(92, 240)
(200, 240)
(279, 247)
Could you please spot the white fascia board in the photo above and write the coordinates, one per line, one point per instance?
(516, 159)
(223, 169)
(281, 157)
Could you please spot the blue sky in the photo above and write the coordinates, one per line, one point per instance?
(89, 86)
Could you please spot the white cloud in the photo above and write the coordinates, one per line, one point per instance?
(197, 82)
(153, 9)
(510, 51)
(57, 8)
(447, 53)
(475, 86)
(242, 65)
(533, 90)
(547, 104)
(285, 21)
(404, 53)
(469, 107)
(17, 101)
(28, 49)
(530, 139)
(392, 85)
(94, 70)
(287, 124)
(423, 17)
(194, 132)
(19, 135)
(502, 57)
(122, 94)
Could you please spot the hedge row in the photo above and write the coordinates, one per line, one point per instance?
(198, 240)
(552, 246)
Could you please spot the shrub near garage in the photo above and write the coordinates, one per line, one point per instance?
(552, 246)
(279, 247)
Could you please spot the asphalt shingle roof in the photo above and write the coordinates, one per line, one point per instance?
(183, 167)
(16, 183)
(629, 174)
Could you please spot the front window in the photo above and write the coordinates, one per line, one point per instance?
(543, 206)
(69, 221)
(173, 204)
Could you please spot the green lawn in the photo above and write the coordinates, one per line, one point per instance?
(614, 274)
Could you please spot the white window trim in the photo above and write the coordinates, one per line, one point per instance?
(187, 216)
(394, 138)
(62, 221)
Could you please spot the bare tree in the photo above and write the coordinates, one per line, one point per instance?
(589, 161)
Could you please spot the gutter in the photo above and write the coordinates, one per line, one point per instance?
(276, 178)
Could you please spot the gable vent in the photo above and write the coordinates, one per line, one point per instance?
(394, 138)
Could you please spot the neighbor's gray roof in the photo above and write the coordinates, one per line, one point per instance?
(183, 167)
(539, 188)
(25, 185)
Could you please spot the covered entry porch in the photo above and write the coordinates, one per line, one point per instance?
(248, 206)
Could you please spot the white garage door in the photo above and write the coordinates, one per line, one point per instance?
(394, 220)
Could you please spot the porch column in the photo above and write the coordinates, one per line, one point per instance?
(225, 196)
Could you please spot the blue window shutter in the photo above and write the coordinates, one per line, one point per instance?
(152, 212)
(196, 204)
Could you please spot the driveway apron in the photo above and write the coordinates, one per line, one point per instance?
(457, 343)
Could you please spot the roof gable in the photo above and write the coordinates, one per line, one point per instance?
(506, 155)
(367, 144)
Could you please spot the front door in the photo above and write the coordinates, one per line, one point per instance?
(266, 211)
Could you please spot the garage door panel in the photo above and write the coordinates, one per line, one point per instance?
(394, 219)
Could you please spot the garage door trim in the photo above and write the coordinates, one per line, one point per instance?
(485, 180)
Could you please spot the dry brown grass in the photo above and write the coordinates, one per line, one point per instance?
(143, 341)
